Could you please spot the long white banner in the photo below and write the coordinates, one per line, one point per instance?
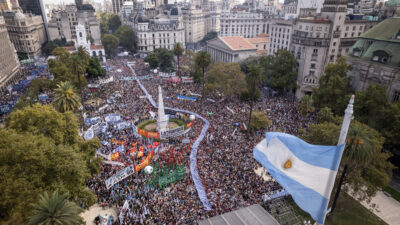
(120, 175)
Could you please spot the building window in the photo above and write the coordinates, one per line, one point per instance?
(80, 34)
(396, 96)
(381, 56)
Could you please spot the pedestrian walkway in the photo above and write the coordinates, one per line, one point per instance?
(386, 208)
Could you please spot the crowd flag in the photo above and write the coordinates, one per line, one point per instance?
(306, 171)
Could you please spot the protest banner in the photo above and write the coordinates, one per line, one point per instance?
(172, 133)
(144, 162)
(186, 97)
(187, 79)
(120, 175)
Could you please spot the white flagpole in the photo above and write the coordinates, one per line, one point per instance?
(348, 115)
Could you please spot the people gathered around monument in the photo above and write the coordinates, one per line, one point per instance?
(224, 159)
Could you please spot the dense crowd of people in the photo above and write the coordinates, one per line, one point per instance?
(11, 94)
(225, 161)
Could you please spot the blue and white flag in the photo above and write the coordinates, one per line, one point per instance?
(306, 171)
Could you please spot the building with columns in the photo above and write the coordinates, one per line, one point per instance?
(9, 63)
(236, 48)
(248, 24)
(27, 32)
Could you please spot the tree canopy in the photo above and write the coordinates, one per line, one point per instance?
(153, 60)
(94, 68)
(42, 151)
(110, 43)
(334, 88)
(259, 120)
(165, 58)
(225, 79)
(280, 70)
(127, 38)
(114, 22)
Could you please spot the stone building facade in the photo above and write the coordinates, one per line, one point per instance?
(161, 31)
(9, 64)
(248, 24)
(280, 35)
(375, 58)
(26, 31)
(63, 22)
(319, 40)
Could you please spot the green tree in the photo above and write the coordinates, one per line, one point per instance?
(225, 79)
(103, 18)
(61, 54)
(33, 163)
(203, 60)
(114, 22)
(94, 68)
(325, 115)
(259, 120)
(152, 59)
(78, 67)
(49, 47)
(209, 36)
(305, 105)
(65, 97)
(280, 70)
(178, 52)
(372, 108)
(368, 167)
(334, 88)
(55, 209)
(83, 55)
(165, 58)
(127, 38)
(254, 80)
(110, 43)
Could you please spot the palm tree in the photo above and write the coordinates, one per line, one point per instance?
(203, 60)
(65, 97)
(178, 51)
(359, 151)
(325, 115)
(305, 105)
(78, 67)
(83, 54)
(55, 210)
(254, 80)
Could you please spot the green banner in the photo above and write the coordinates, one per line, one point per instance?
(161, 177)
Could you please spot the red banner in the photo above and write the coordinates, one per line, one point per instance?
(145, 162)
(114, 156)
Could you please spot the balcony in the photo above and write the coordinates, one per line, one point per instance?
(336, 34)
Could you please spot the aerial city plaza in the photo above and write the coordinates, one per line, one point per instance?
(200, 112)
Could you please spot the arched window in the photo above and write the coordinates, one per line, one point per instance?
(381, 56)
(80, 34)
(94, 53)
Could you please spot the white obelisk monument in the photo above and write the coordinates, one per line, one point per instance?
(162, 120)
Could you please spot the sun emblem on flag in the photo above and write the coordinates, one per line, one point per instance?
(288, 164)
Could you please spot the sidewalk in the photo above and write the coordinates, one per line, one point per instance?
(386, 208)
(95, 210)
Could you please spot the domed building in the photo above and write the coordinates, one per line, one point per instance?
(26, 32)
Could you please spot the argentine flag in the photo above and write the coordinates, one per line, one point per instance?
(306, 171)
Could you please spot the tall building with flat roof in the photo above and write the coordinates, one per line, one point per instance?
(36, 7)
(9, 64)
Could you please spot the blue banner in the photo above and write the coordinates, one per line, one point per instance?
(186, 97)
